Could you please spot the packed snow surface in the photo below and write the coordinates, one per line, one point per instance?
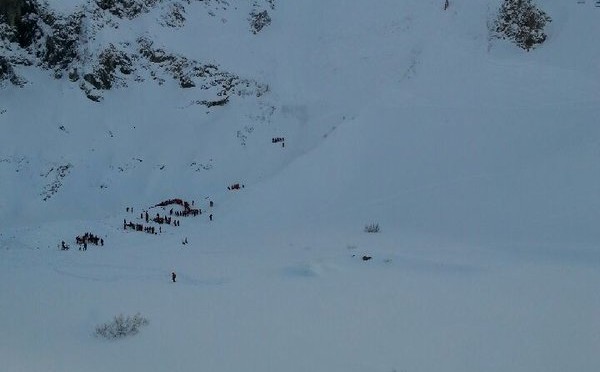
(479, 161)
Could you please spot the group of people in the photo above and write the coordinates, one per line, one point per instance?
(186, 213)
(140, 227)
(277, 140)
(173, 201)
(235, 186)
(187, 208)
(84, 239)
(166, 219)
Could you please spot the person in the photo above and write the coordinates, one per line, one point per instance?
(102, 242)
(211, 203)
(210, 217)
(173, 276)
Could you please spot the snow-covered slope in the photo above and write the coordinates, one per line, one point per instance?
(478, 160)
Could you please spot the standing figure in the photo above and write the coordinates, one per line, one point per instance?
(173, 276)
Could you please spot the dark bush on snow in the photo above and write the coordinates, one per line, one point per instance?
(121, 326)
(372, 228)
(522, 22)
(259, 20)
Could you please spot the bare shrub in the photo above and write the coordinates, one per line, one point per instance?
(121, 326)
(372, 228)
(259, 20)
(522, 22)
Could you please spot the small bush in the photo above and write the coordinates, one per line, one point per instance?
(522, 22)
(372, 228)
(121, 327)
(259, 20)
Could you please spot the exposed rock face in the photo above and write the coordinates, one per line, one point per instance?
(11, 10)
(36, 36)
(22, 17)
(110, 62)
(7, 72)
(61, 46)
(126, 8)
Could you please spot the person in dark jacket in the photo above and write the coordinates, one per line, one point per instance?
(173, 277)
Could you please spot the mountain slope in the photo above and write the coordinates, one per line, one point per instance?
(477, 159)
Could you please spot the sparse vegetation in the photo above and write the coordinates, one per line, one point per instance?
(56, 174)
(121, 327)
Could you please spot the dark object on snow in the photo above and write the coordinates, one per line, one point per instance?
(259, 20)
(173, 277)
(372, 228)
(366, 258)
(210, 217)
(522, 22)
